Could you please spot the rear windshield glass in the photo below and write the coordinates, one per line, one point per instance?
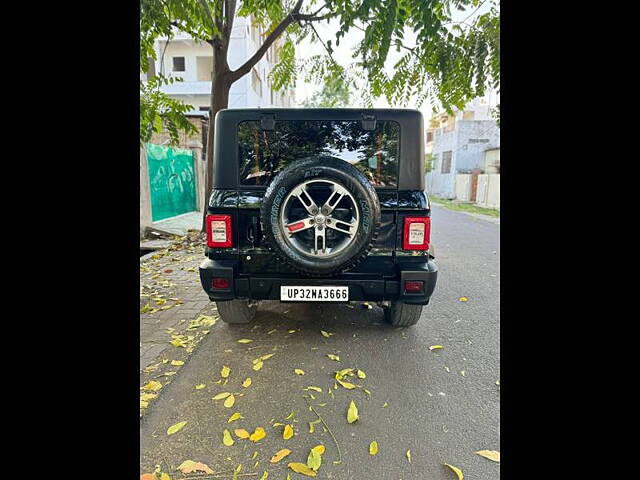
(263, 153)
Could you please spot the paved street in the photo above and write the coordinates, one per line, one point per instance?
(442, 405)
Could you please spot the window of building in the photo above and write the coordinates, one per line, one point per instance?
(204, 67)
(469, 115)
(256, 82)
(429, 137)
(478, 140)
(178, 64)
(446, 162)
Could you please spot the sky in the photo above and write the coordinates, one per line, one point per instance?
(342, 55)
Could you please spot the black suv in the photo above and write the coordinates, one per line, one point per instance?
(319, 205)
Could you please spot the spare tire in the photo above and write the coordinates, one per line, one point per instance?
(320, 215)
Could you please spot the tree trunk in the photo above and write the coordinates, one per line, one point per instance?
(220, 86)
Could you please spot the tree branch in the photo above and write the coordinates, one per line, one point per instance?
(282, 26)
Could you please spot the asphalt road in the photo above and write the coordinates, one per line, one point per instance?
(436, 411)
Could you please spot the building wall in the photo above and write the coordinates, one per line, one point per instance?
(468, 143)
(488, 191)
(474, 138)
(245, 40)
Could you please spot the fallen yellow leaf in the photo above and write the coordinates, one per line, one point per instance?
(177, 363)
(347, 385)
(373, 448)
(288, 432)
(189, 466)
(493, 455)
(314, 459)
(145, 397)
(352, 413)
(361, 374)
(152, 386)
(222, 395)
(247, 382)
(463, 299)
(280, 455)
(301, 468)
(258, 365)
(325, 334)
(435, 347)
(258, 434)
(333, 357)
(241, 433)
(200, 386)
(230, 401)
(226, 438)
(175, 428)
(264, 476)
(224, 373)
(298, 371)
(316, 389)
(455, 470)
(245, 340)
(409, 455)
(234, 417)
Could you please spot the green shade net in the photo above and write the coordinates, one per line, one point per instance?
(172, 181)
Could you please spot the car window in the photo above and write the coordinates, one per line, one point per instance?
(263, 153)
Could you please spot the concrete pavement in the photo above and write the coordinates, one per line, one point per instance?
(442, 405)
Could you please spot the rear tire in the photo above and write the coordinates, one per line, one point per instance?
(236, 311)
(401, 314)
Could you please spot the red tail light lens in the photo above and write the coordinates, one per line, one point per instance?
(417, 231)
(220, 283)
(219, 231)
(413, 286)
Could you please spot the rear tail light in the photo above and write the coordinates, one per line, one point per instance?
(417, 231)
(220, 283)
(413, 286)
(219, 231)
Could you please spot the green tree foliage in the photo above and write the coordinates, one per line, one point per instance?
(158, 111)
(335, 93)
(442, 60)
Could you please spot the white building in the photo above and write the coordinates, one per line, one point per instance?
(184, 57)
(459, 143)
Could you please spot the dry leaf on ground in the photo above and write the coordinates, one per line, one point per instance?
(226, 438)
(234, 417)
(287, 432)
(373, 448)
(189, 466)
(301, 468)
(493, 455)
(175, 428)
(280, 455)
(258, 434)
(152, 386)
(352, 413)
(455, 470)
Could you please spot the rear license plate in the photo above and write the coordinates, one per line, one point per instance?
(314, 294)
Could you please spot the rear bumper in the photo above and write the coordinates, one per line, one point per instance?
(361, 287)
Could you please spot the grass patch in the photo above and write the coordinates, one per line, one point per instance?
(465, 206)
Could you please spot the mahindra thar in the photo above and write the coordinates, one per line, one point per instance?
(319, 205)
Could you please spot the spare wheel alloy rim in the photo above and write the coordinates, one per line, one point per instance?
(320, 218)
